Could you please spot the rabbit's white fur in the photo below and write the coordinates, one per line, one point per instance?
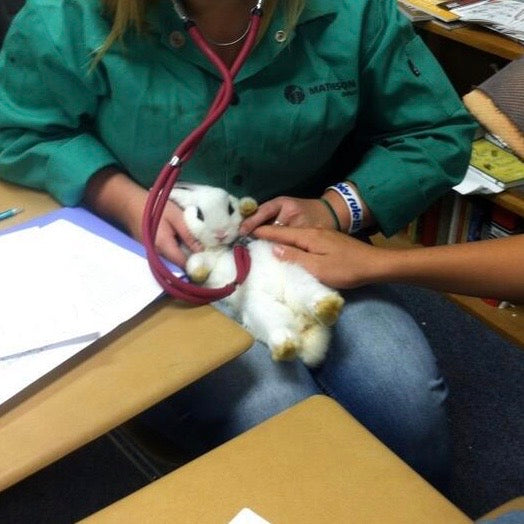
(280, 303)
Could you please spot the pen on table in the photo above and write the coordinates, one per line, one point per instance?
(8, 213)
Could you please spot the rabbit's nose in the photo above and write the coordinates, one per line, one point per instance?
(220, 234)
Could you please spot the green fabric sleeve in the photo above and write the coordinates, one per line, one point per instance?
(48, 97)
(414, 130)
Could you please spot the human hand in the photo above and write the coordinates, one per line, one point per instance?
(337, 260)
(288, 211)
(172, 233)
(114, 195)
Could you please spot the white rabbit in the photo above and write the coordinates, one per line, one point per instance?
(280, 303)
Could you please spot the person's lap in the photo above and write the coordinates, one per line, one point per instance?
(382, 370)
(379, 367)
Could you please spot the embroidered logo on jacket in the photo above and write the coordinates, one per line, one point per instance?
(296, 94)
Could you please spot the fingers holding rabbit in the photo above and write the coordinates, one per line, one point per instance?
(173, 234)
(289, 211)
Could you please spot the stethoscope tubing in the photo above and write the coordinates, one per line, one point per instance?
(159, 193)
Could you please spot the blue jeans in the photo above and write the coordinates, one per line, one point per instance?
(379, 367)
(511, 517)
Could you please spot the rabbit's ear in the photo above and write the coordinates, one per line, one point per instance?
(183, 194)
(248, 206)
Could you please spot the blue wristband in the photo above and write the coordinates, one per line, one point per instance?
(356, 211)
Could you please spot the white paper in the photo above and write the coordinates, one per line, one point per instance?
(474, 184)
(37, 304)
(247, 516)
(62, 287)
(504, 16)
(18, 373)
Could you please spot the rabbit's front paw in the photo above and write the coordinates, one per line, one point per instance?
(248, 206)
(199, 274)
(328, 308)
(197, 268)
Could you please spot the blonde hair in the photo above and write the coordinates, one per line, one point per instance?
(130, 14)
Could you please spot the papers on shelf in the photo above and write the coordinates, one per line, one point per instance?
(430, 7)
(62, 288)
(475, 184)
(413, 14)
(504, 16)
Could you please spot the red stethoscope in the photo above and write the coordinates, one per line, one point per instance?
(159, 193)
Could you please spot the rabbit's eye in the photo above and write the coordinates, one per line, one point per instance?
(230, 209)
(200, 215)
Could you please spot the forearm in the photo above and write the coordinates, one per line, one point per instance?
(111, 194)
(491, 268)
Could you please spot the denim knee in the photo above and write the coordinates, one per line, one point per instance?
(230, 400)
(382, 370)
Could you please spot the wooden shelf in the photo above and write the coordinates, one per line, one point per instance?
(508, 322)
(469, 55)
(513, 200)
(479, 38)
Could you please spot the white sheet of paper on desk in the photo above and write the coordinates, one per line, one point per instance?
(60, 282)
(35, 312)
(16, 374)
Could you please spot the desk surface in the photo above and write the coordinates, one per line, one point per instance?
(312, 463)
(153, 355)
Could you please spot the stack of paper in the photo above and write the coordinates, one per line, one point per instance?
(431, 8)
(503, 16)
(62, 288)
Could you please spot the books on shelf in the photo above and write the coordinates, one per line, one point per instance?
(501, 223)
(468, 216)
(455, 218)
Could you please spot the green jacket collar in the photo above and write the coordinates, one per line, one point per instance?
(164, 13)
(317, 8)
(163, 20)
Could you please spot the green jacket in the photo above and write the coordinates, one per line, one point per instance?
(351, 94)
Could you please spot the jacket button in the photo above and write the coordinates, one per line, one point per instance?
(177, 39)
(280, 36)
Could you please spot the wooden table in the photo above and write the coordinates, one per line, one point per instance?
(311, 464)
(155, 354)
